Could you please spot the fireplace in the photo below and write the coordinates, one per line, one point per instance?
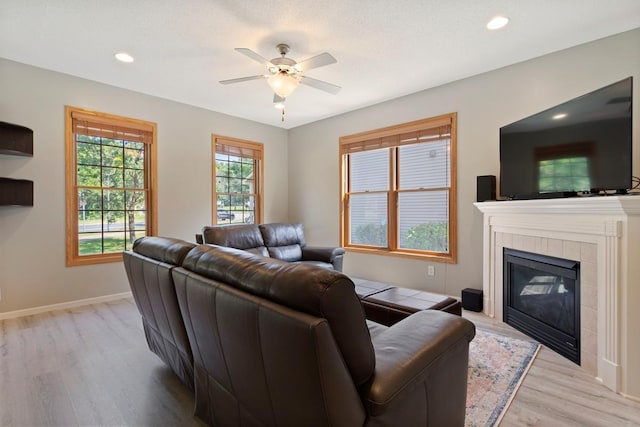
(602, 234)
(542, 299)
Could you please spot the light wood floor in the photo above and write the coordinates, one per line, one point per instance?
(90, 366)
(556, 392)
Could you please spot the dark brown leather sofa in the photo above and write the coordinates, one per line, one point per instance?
(282, 241)
(148, 269)
(277, 343)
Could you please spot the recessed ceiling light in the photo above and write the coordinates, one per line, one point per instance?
(559, 116)
(497, 22)
(124, 57)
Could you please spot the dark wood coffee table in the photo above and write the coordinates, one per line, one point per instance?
(387, 304)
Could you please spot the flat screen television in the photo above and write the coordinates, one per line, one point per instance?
(580, 147)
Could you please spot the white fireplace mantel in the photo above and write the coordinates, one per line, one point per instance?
(603, 234)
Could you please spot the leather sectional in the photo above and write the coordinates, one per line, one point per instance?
(282, 241)
(276, 343)
(382, 303)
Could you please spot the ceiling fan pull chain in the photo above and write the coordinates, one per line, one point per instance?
(283, 114)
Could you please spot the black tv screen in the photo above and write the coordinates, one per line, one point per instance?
(582, 146)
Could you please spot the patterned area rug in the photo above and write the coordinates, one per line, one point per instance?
(497, 366)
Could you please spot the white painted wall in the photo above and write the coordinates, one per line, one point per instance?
(484, 103)
(32, 239)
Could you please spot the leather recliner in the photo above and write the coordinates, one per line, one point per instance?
(282, 241)
(148, 267)
(277, 343)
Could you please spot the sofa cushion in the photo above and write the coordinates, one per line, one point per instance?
(317, 291)
(242, 236)
(163, 249)
(278, 234)
(284, 241)
(289, 253)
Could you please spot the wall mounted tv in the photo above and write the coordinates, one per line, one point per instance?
(580, 147)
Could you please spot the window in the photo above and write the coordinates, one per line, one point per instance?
(110, 185)
(237, 174)
(398, 190)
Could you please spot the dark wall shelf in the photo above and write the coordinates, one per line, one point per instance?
(16, 140)
(17, 192)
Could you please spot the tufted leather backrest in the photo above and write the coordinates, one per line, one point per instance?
(319, 292)
(148, 267)
(242, 236)
(284, 241)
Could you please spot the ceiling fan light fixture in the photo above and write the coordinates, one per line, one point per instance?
(283, 84)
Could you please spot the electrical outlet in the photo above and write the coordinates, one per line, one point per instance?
(431, 270)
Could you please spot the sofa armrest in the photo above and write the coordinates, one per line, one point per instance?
(324, 254)
(316, 253)
(421, 363)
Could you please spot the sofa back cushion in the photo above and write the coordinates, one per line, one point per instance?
(242, 236)
(309, 289)
(259, 363)
(284, 241)
(148, 267)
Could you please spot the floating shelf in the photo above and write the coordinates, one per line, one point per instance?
(17, 192)
(16, 140)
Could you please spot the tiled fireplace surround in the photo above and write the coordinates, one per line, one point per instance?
(603, 234)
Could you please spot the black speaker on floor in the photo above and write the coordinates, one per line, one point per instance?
(472, 299)
(486, 188)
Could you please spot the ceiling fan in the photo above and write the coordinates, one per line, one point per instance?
(284, 74)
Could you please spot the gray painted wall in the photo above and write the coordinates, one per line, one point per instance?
(484, 103)
(32, 240)
(301, 173)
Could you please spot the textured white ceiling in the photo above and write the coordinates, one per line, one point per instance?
(385, 49)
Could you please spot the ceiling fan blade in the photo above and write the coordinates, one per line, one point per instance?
(319, 84)
(316, 61)
(243, 79)
(251, 54)
(277, 98)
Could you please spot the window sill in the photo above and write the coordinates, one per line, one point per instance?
(94, 259)
(434, 257)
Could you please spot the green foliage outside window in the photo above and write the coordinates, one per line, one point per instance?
(111, 196)
(430, 236)
(235, 188)
(370, 234)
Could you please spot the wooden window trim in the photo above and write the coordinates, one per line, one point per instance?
(395, 136)
(240, 148)
(72, 252)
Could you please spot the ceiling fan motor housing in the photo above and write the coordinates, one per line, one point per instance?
(283, 64)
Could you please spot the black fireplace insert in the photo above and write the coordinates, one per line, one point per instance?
(542, 299)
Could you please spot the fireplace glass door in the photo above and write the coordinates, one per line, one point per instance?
(542, 299)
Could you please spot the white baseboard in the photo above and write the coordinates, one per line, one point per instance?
(63, 305)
